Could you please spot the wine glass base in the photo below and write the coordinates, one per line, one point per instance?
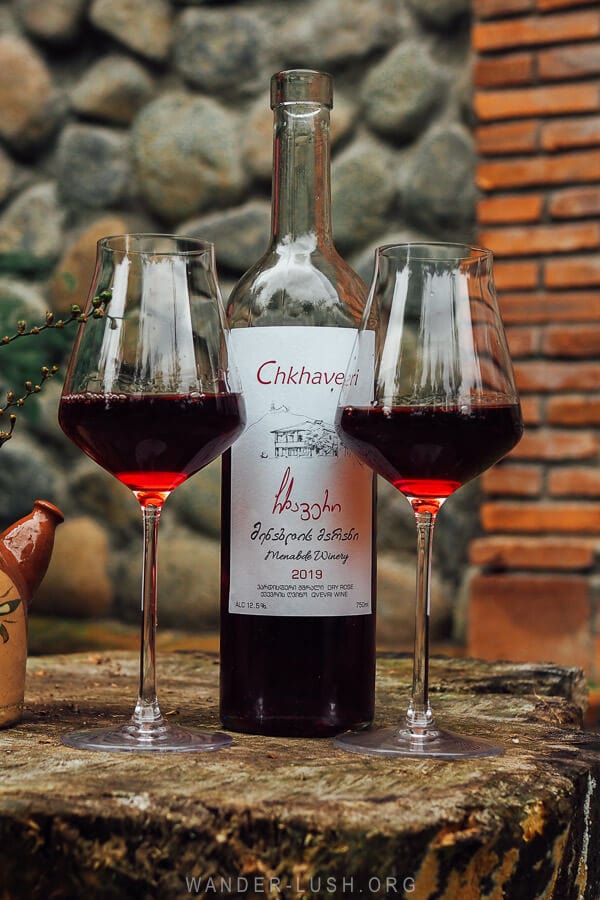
(126, 738)
(439, 744)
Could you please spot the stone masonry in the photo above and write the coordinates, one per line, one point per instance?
(154, 115)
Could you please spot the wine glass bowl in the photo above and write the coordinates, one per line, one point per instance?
(443, 409)
(151, 395)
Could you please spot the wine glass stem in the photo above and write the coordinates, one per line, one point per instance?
(419, 717)
(147, 712)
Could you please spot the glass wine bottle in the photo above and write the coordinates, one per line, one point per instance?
(298, 565)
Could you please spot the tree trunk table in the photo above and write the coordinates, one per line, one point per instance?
(291, 818)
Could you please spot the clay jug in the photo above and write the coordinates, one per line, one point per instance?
(25, 550)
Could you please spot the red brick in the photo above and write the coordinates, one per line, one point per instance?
(528, 240)
(531, 410)
(550, 307)
(514, 68)
(578, 271)
(573, 409)
(510, 208)
(552, 444)
(533, 30)
(523, 341)
(594, 672)
(546, 5)
(575, 481)
(572, 340)
(486, 9)
(575, 61)
(572, 203)
(524, 172)
(507, 137)
(564, 133)
(516, 275)
(546, 377)
(520, 103)
(507, 551)
(539, 518)
(514, 481)
(530, 618)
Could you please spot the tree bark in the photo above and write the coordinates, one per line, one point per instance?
(273, 817)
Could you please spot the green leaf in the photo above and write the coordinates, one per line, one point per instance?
(69, 280)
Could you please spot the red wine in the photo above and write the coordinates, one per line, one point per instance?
(293, 676)
(152, 442)
(429, 452)
(297, 557)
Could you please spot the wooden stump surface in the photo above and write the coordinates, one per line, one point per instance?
(274, 817)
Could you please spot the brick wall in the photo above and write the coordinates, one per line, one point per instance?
(535, 591)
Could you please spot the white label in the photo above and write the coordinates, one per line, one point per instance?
(301, 507)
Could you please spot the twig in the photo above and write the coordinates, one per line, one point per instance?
(99, 305)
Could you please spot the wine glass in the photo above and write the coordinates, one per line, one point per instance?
(151, 396)
(442, 407)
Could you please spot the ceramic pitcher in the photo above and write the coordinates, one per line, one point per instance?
(25, 550)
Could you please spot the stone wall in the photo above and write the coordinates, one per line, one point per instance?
(154, 115)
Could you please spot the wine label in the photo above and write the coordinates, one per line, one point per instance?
(301, 507)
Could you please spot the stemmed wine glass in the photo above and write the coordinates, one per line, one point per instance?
(442, 408)
(151, 395)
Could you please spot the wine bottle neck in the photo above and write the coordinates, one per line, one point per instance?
(301, 204)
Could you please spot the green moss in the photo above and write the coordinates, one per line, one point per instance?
(20, 262)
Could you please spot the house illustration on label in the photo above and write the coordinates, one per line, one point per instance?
(308, 438)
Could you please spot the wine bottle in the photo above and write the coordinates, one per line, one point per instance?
(297, 557)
